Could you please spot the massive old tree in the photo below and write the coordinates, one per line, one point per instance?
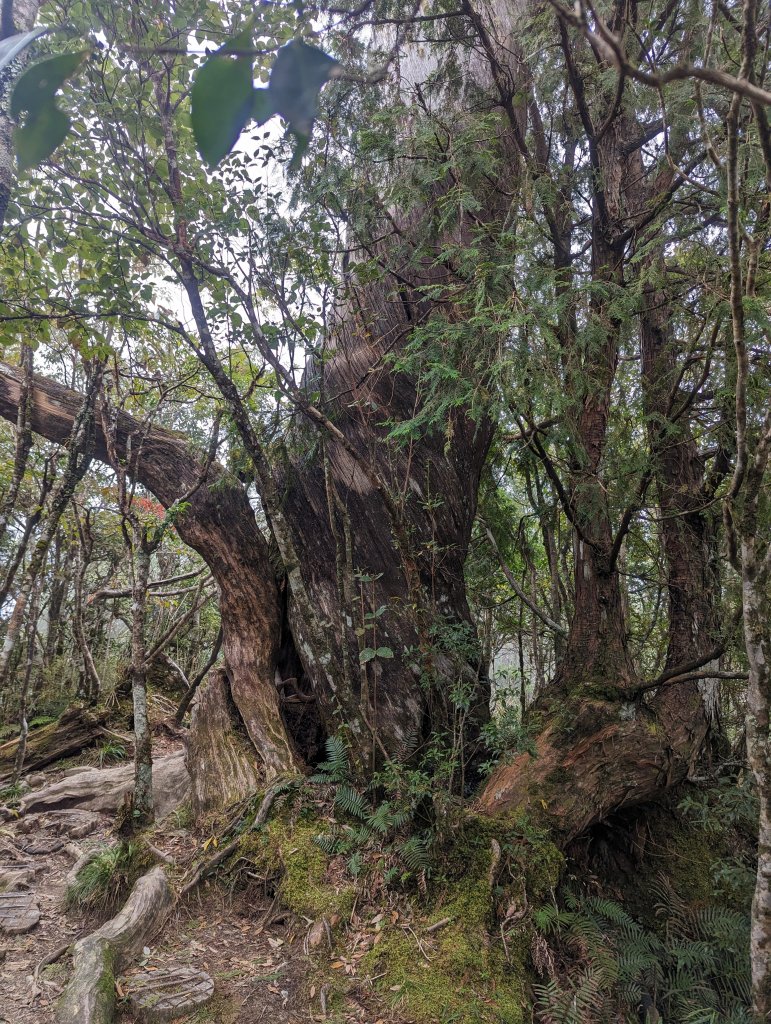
(516, 245)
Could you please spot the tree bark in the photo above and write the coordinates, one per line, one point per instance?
(219, 757)
(220, 526)
(688, 527)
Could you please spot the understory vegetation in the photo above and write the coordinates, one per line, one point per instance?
(384, 493)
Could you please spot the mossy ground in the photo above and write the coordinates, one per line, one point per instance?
(471, 973)
(221, 1010)
(286, 849)
(469, 968)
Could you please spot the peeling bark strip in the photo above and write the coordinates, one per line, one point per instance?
(219, 525)
(90, 996)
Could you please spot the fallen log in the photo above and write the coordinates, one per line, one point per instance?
(73, 732)
(90, 995)
(103, 789)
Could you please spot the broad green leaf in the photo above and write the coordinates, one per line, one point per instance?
(39, 84)
(384, 652)
(13, 45)
(366, 655)
(222, 98)
(36, 140)
(298, 74)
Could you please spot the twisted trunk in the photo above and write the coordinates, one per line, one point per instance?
(219, 525)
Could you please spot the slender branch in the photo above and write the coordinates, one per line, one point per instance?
(512, 580)
(610, 48)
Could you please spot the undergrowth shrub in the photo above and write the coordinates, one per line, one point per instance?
(103, 884)
(109, 752)
(601, 965)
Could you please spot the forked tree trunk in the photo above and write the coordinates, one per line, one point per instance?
(688, 527)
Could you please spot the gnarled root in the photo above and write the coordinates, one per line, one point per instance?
(90, 996)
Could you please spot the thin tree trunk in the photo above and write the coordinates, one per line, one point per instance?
(78, 460)
(92, 681)
(756, 580)
(29, 663)
(23, 444)
(141, 552)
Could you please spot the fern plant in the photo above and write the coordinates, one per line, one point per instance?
(605, 966)
(361, 826)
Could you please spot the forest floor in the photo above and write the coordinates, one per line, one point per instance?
(256, 952)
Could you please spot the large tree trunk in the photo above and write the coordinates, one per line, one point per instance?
(386, 563)
(219, 758)
(219, 525)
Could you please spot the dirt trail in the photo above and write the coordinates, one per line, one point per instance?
(255, 952)
(22, 1000)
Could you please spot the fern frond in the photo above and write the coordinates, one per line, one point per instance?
(353, 803)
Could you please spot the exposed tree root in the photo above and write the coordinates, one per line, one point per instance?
(90, 995)
(206, 867)
(103, 789)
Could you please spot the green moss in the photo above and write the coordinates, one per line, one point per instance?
(686, 854)
(470, 974)
(287, 847)
(221, 1010)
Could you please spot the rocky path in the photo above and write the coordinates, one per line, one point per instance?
(42, 857)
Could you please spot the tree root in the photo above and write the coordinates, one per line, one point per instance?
(90, 995)
(206, 867)
(51, 958)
